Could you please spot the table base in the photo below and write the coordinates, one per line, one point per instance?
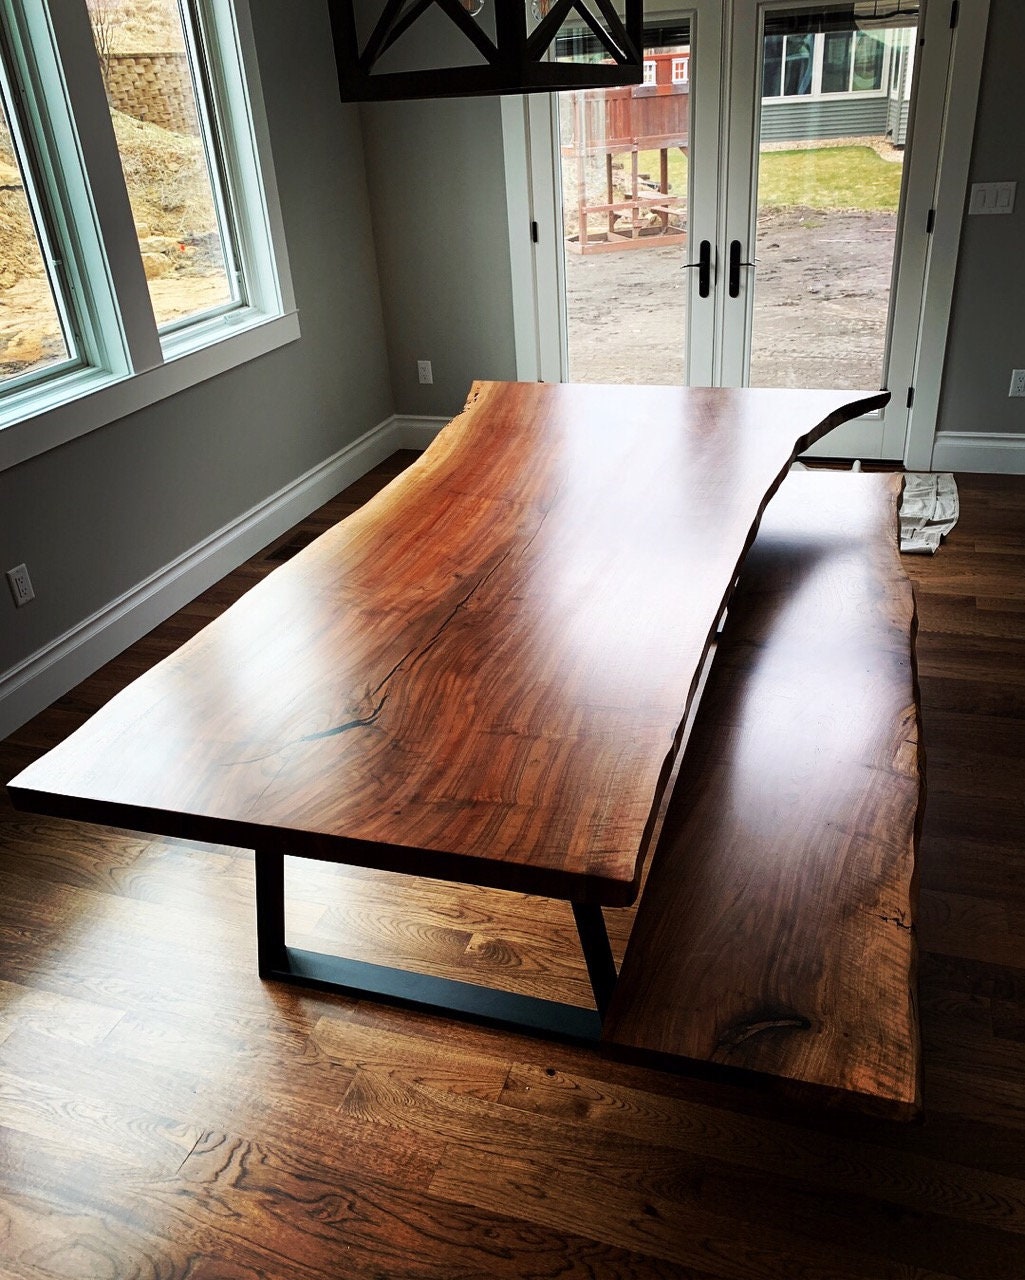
(448, 996)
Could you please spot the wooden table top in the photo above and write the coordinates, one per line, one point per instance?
(483, 674)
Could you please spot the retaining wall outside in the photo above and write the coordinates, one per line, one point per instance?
(155, 87)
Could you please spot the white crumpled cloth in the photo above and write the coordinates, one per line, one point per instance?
(928, 510)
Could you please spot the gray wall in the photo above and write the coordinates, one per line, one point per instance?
(95, 517)
(437, 186)
(987, 333)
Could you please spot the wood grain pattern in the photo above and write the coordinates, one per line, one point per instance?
(776, 931)
(482, 674)
(377, 1166)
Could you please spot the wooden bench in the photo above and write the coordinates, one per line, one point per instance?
(775, 933)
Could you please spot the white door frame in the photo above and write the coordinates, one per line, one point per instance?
(950, 192)
(937, 179)
(534, 205)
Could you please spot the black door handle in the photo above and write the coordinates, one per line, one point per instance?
(735, 265)
(704, 266)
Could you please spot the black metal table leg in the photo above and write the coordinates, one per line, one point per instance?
(270, 912)
(594, 939)
(424, 991)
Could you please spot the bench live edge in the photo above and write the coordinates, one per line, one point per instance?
(775, 933)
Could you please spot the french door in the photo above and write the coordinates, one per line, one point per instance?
(758, 213)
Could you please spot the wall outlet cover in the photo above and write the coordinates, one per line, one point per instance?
(20, 584)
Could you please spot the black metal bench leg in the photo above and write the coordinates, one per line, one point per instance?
(270, 912)
(594, 940)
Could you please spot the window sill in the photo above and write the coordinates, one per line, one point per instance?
(839, 95)
(86, 400)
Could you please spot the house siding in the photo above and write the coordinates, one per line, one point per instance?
(804, 119)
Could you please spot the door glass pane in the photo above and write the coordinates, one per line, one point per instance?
(830, 167)
(167, 154)
(625, 154)
(32, 335)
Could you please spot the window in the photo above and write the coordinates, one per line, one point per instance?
(649, 72)
(810, 65)
(836, 62)
(852, 62)
(867, 63)
(160, 104)
(787, 63)
(681, 70)
(140, 244)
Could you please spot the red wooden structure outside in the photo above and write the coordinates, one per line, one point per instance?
(654, 116)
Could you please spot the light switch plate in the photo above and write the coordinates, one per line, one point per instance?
(992, 197)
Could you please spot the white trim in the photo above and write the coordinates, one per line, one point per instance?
(991, 451)
(52, 670)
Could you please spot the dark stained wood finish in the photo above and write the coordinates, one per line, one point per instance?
(776, 930)
(164, 1113)
(482, 675)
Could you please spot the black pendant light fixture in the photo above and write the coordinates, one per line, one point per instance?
(390, 49)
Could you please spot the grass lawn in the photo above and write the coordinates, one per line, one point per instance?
(827, 178)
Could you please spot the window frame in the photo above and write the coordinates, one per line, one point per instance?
(128, 363)
(40, 214)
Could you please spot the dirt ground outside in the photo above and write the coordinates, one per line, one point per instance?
(822, 288)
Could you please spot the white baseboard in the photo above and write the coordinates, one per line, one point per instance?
(411, 432)
(59, 665)
(1003, 454)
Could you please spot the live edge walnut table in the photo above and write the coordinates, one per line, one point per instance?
(482, 676)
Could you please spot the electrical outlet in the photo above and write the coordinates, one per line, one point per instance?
(20, 584)
(1017, 382)
(424, 372)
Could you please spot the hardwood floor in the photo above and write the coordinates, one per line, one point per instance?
(165, 1115)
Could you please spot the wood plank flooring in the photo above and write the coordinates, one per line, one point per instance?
(165, 1115)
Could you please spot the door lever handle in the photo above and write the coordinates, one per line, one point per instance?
(735, 265)
(704, 266)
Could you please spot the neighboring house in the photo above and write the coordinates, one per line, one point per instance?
(837, 84)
